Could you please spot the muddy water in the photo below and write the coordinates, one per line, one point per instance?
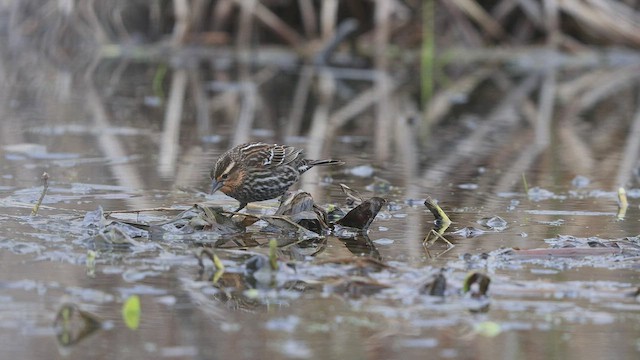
(105, 143)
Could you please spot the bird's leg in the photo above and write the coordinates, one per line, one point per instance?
(242, 206)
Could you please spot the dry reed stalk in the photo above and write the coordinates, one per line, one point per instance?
(503, 9)
(383, 83)
(155, 18)
(318, 134)
(354, 107)
(243, 37)
(222, 14)
(617, 80)
(552, 21)
(190, 168)
(463, 24)
(268, 18)
(545, 113)
(203, 119)
(89, 10)
(198, 15)
(472, 147)
(527, 155)
(631, 151)
(299, 102)
(127, 175)
(578, 154)
(118, 23)
(247, 114)
(169, 141)
(571, 89)
(481, 17)
(320, 122)
(181, 27)
(441, 102)
(407, 150)
(610, 19)
(308, 13)
(328, 18)
(532, 9)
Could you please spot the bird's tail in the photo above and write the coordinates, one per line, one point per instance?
(324, 162)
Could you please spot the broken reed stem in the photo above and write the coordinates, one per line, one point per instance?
(135, 211)
(442, 225)
(623, 204)
(45, 180)
(437, 212)
(525, 184)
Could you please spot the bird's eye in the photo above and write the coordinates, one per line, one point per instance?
(224, 176)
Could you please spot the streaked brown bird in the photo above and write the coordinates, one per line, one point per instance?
(258, 171)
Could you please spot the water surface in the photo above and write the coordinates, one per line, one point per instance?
(103, 138)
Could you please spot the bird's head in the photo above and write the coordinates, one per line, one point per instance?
(226, 175)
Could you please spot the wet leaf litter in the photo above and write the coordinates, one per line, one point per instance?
(294, 237)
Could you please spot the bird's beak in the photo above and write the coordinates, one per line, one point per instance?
(215, 186)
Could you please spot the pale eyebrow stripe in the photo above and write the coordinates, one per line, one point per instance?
(229, 167)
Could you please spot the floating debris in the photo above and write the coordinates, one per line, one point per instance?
(469, 232)
(362, 215)
(353, 197)
(495, 223)
(95, 219)
(574, 247)
(476, 285)
(72, 324)
(90, 263)
(379, 186)
(580, 182)
(363, 171)
(487, 329)
(301, 209)
(288, 227)
(558, 222)
(442, 223)
(334, 213)
(436, 286)
(109, 234)
(359, 265)
(383, 241)
(112, 237)
(206, 218)
(468, 186)
(540, 194)
(355, 287)
(568, 241)
(219, 266)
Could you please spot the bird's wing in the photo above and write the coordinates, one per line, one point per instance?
(267, 155)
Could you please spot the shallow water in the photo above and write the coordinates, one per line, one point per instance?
(103, 144)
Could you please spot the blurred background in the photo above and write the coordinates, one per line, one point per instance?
(422, 88)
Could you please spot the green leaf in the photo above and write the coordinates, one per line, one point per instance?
(488, 328)
(131, 312)
(273, 256)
